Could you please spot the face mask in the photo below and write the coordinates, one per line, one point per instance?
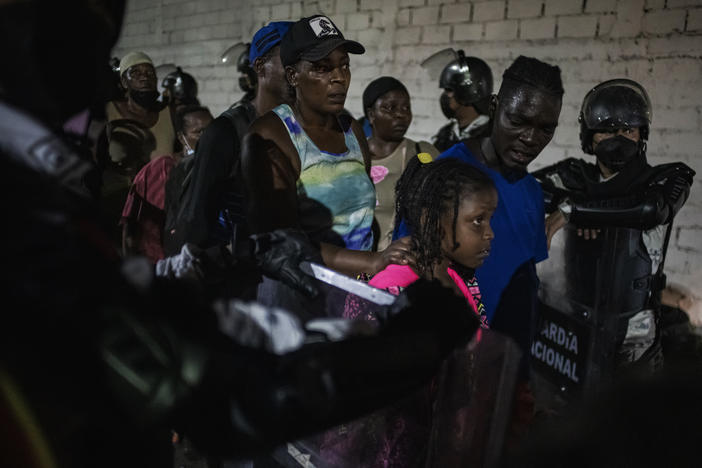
(616, 152)
(188, 150)
(445, 103)
(146, 99)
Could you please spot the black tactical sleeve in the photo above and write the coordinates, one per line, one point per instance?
(664, 195)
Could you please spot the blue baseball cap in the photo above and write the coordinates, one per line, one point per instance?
(267, 37)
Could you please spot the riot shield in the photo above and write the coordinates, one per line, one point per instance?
(339, 296)
(473, 403)
(460, 419)
(589, 289)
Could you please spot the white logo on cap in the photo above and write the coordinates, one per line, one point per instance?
(322, 27)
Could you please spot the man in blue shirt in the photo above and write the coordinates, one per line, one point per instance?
(524, 118)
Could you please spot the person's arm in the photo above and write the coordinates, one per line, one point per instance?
(192, 369)
(355, 262)
(657, 205)
(551, 185)
(270, 171)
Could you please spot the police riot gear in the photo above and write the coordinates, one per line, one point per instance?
(182, 87)
(470, 79)
(611, 287)
(248, 79)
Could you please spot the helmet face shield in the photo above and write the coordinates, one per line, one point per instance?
(234, 54)
(616, 104)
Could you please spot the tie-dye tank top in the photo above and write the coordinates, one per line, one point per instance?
(336, 198)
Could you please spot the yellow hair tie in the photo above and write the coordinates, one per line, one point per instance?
(424, 158)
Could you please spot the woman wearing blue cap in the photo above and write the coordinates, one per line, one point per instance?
(306, 165)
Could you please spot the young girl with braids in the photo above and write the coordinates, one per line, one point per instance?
(447, 206)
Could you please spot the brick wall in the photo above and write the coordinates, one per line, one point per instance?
(655, 42)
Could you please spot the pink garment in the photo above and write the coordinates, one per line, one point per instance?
(398, 435)
(150, 182)
(394, 277)
(463, 288)
(145, 206)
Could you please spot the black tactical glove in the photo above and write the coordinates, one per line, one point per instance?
(278, 254)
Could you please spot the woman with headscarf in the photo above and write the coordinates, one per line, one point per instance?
(386, 105)
(307, 165)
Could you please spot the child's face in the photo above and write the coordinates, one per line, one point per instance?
(473, 231)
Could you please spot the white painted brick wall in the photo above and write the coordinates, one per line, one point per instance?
(487, 11)
(577, 26)
(426, 15)
(656, 42)
(458, 13)
(538, 28)
(694, 20)
(501, 30)
(562, 7)
(468, 32)
(525, 9)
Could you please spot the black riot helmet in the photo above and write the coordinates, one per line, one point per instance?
(248, 79)
(239, 52)
(611, 105)
(470, 79)
(181, 86)
(242, 62)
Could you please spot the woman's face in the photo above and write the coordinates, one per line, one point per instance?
(391, 115)
(473, 231)
(193, 126)
(322, 85)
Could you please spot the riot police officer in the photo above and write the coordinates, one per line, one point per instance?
(618, 214)
(181, 89)
(467, 87)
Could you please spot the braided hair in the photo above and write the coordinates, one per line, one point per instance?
(425, 193)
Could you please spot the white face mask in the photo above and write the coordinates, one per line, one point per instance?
(188, 150)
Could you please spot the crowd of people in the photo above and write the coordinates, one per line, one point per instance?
(156, 253)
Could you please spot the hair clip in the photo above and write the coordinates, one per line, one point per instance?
(424, 158)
